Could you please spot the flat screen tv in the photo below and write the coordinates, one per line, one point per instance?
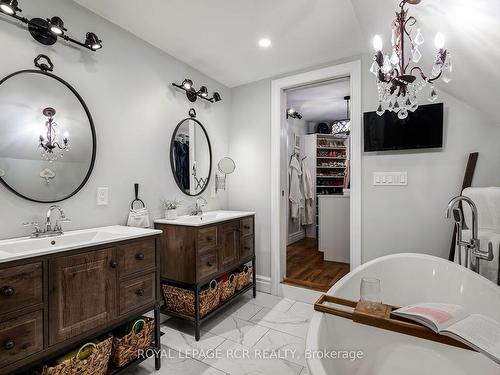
(421, 129)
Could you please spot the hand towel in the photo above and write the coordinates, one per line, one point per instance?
(138, 218)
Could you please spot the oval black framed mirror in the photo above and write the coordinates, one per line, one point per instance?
(191, 156)
(47, 136)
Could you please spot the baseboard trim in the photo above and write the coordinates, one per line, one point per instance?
(263, 284)
(299, 294)
(297, 236)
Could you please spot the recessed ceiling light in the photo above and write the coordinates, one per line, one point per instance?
(265, 42)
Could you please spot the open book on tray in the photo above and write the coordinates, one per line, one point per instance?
(479, 332)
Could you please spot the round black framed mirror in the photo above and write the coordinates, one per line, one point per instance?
(47, 137)
(191, 156)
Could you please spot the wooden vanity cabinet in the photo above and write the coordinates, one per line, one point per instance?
(50, 304)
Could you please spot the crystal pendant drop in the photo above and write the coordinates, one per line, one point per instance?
(387, 67)
(402, 114)
(374, 68)
(380, 110)
(408, 103)
(396, 106)
(394, 58)
(447, 70)
(419, 38)
(417, 55)
(433, 96)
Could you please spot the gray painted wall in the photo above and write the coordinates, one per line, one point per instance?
(395, 219)
(127, 87)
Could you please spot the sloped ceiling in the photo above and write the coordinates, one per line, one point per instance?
(219, 37)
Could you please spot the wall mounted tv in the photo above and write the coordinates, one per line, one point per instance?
(421, 129)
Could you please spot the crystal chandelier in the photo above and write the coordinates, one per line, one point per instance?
(399, 79)
(50, 144)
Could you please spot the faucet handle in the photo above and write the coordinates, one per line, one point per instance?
(485, 255)
(34, 224)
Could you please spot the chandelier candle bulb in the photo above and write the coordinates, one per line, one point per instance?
(439, 41)
(377, 43)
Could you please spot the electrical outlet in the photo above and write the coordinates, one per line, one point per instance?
(390, 178)
(102, 196)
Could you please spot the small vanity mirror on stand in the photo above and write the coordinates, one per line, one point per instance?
(191, 156)
(226, 166)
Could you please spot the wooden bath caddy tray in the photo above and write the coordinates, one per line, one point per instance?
(381, 318)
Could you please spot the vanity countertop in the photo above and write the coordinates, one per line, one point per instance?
(25, 247)
(209, 217)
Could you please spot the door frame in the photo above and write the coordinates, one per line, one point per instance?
(278, 200)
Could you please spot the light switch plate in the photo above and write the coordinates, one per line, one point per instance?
(102, 196)
(390, 178)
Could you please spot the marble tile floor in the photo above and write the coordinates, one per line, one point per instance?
(265, 335)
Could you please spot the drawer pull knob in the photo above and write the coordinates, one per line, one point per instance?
(140, 292)
(139, 256)
(247, 248)
(114, 264)
(8, 291)
(246, 226)
(209, 264)
(9, 345)
(210, 238)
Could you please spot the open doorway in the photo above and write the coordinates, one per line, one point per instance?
(280, 179)
(318, 184)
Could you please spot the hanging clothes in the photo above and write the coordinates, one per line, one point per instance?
(296, 198)
(308, 192)
(181, 158)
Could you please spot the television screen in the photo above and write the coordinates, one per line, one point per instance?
(421, 129)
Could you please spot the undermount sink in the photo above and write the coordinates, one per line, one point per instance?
(18, 248)
(208, 217)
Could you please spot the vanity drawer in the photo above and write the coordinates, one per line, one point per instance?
(21, 337)
(207, 238)
(137, 292)
(246, 226)
(208, 264)
(247, 247)
(20, 287)
(136, 256)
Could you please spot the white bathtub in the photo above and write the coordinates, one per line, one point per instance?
(406, 279)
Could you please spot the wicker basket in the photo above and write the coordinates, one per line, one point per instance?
(243, 278)
(95, 364)
(228, 288)
(182, 300)
(126, 348)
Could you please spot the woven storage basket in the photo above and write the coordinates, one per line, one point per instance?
(228, 287)
(95, 364)
(243, 278)
(182, 300)
(126, 348)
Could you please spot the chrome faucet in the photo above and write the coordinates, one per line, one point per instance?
(473, 252)
(48, 231)
(200, 203)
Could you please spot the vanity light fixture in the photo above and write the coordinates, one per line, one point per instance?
(399, 79)
(9, 7)
(292, 113)
(193, 95)
(50, 144)
(47, 31)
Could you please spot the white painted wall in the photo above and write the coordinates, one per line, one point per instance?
(127, 87)
(395, 219)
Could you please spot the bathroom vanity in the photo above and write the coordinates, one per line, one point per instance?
(197, 249)
(57, 293)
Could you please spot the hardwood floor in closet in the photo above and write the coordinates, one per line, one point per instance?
(306, 268)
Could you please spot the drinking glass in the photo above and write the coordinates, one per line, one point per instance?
(370, 292)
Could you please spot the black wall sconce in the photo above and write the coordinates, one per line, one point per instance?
(193, 95)
(46, 31)
(292, 113)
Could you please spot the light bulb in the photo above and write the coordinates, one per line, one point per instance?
(439, 41)
(265, 42)
(66, 135)
(377, 43)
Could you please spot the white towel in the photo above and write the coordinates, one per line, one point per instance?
(138, 218)
(487, 201)
(296, 198)
(308, 190)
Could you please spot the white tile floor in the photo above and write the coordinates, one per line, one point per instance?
(241, 339)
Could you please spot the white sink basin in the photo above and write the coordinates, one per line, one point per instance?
(19, 248)
(208, 217)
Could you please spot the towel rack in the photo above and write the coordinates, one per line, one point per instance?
(136, 189)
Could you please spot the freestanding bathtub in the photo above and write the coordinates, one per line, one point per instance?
(406, 279)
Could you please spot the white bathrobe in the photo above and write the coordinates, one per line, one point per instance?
(296, 198)
(307, 189)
